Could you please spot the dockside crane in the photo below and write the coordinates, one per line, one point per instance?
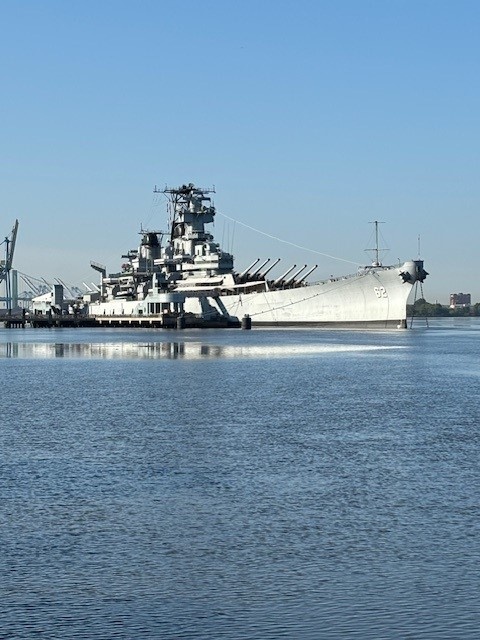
(36, 291)
(6, 265)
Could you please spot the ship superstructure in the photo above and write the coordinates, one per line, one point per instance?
(183, 270)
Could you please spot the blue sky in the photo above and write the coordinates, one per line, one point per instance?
(310, 118)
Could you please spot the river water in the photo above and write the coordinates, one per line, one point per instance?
(237, 485)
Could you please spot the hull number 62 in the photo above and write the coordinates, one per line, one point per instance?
(380, 292)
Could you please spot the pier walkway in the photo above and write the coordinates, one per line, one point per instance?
(165, 321)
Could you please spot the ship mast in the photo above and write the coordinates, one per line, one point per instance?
(376, 250)
(186, 198)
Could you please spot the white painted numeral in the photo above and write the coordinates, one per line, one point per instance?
(380, 292)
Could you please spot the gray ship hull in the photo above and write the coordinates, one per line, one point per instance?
(374, 298)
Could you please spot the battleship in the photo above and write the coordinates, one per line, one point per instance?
(183, 271)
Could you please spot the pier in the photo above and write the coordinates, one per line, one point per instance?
(165, 321)
(17, 321)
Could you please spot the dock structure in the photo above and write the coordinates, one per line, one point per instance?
(164, 321)
(167, 321)
(167, 311)
(53, 320)
(14, 321)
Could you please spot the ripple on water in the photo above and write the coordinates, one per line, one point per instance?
(330, 491)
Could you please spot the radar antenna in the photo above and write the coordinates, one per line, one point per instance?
(187, 198)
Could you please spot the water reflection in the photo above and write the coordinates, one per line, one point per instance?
(173, 350)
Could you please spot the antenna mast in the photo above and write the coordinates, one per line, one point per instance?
(377, 262)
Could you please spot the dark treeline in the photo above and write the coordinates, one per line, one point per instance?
(423, 308)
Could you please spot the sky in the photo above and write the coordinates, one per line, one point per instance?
(311, 119)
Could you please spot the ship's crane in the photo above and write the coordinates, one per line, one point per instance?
(101, 268)
(6, 265)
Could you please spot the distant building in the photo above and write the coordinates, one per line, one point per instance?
(54, 302)
(460, 300)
